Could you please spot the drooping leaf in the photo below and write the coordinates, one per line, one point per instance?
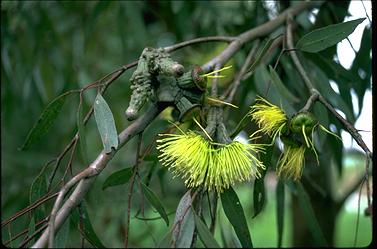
(184, 224)
(61, 237)
(280, 201)
(236, 216)
(37, 190)
(204, 233)
(81, 131)
(155, 202)
(31, 229)
(105, 123)
(258, 196)
(151, 158)
(259, 193)
(166, 241)
(118, 178)
(328, 36)
(280, 87)
(87, 229)
(309, 216)
(261, 53)
(45, 120)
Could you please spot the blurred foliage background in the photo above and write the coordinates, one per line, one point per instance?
(50, 47)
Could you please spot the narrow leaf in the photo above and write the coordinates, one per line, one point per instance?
(166, 240)
(118, 178)
(259, 193)
(184, 224)
(155, 202)
(31, 229)
(236, 216)
(37, 190)
(204, 233)
(150, 158)
(45, 120)
(105, 123)
(281, 88)
(262, 52)
(62, 236)
(328, 36)
(309, 215)
(81, 131)
(280, 199)
(87, 229)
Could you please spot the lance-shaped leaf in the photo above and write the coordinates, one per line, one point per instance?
(281, 88)
(236, 216)
(155, 202)
(309, 216)
(280, 199)
(86, 227)
(184, 224)
(328, 36)
(45, 120)
(204, 233)
(105, 123)
(118, 178)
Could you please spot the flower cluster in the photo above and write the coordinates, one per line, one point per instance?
(296, 133)
(200, 161)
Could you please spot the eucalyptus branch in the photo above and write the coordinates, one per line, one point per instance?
(241, 73)
(257, 32)
(174, 47)
(96, 167)
(317, 96)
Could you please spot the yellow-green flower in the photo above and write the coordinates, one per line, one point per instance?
(213, 165)
(270, 118)
(291, 162)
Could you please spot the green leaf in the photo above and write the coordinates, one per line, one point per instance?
(259, 195)
(45, 120)
(280, 201)
(155, 202)
(118, 178)
(328, 36)
(166, 240)
(204, 233)
(236, 216)
(309, 216)
(151, 158)
(31, 230)
(37, 190)
(105, 123)
(87, 229)
(81, 131)
(184, 224)
(62, 236)
(262, 52)
(281, 88)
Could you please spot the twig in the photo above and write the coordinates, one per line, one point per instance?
(358, 213)
(347, 125)
(241, 73)
(257, 32)
(29, 208)
(355, 185)
(198, 40)
(98, 165)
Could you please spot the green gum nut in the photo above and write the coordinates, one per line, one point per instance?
(186, 109)
(193, 80)
(303, 119)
